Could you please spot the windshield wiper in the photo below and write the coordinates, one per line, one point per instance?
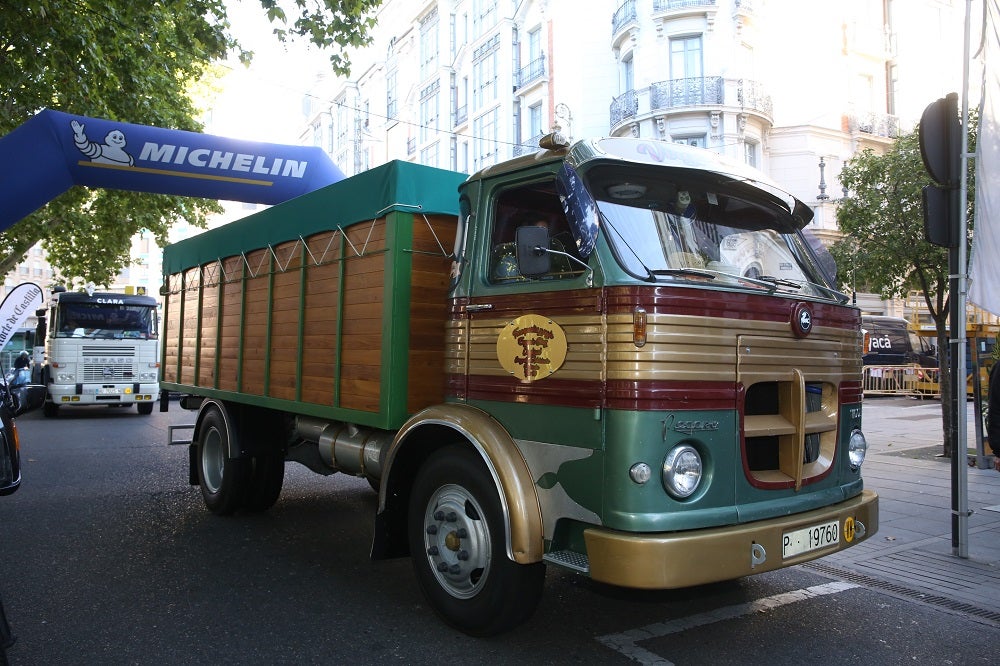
(782, 282)
(694, 272)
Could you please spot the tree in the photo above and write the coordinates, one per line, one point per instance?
(133, 62)
(883, 249)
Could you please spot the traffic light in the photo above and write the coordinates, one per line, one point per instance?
(940, 149)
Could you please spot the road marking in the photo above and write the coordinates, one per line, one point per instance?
(626, 642)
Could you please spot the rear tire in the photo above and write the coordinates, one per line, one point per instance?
(267, 475)
(458, 546)
(223, 479)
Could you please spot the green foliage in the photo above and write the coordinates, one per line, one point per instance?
(883, 248)
(132, 62)
(328, 24)
(114, 59)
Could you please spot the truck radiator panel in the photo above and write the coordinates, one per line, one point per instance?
(790, 409)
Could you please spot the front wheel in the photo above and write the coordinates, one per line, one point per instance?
(50, 410)
(457, 542)
(144, 408)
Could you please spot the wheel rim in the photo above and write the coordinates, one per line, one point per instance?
(457, 541)
(212, 460)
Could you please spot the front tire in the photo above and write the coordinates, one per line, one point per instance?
(458, 545)
(223, 479)
(144, 408)
(50, 410)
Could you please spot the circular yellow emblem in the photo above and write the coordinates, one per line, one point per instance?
(531, 347)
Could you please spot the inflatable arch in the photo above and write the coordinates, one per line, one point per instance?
(53, 151)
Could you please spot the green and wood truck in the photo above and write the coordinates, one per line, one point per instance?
(619, 356)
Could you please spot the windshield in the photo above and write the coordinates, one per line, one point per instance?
(101, 320)
(694, 228)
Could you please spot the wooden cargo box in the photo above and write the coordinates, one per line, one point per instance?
(332, 304)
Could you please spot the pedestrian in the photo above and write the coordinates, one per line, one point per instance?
(993, 415)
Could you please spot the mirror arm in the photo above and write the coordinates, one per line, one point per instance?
(539, 251)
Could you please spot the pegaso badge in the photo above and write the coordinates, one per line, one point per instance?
(802, 320)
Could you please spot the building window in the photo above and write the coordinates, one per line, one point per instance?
(685, 57)
(429, 112)
(484, 78)
(429, 155)
(429, 44)
(391, 101)
(484, 131)
(484, 16)
(534, 45)
(750, 153)
(696, 141)
(535, 120)
(628, 73)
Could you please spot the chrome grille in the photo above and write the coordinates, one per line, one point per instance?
(108, 364)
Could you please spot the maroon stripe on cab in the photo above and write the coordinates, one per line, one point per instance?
(850, 392)
(667, 395)
(550, 391)
(724, 304)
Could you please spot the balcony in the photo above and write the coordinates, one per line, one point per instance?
(624, 106)
(874, 123)
(530, 73)
(529, 146)
(623, 16)
(669, 10)
(679, 5)
(411, 146)
(699, 91)
(712, 93)
(461, 114)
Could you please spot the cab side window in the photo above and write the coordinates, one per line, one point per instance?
(536, 204)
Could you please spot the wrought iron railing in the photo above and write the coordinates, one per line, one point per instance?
(530, 72)
(752, 97)
(623, 15)
(876, 124)
(461, 115)
(529, 146)
(667, 5)
(624, 106)
(694, 91)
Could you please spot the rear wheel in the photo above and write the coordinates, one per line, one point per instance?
(267, 475)
(223, 479)
(457, 542)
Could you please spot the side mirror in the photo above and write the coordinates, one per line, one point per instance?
(27, 398)
(532, 258)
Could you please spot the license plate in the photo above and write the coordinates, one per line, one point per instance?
(108, 391)
(810, 538)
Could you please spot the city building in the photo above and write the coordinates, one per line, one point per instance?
(793, 88)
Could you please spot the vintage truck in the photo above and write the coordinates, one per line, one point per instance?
(618, 356)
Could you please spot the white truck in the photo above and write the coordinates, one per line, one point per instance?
(101, 348)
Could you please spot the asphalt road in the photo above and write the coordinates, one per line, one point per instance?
(108, 556)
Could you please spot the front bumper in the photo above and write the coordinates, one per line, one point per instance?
(102, 394)
(697, 557)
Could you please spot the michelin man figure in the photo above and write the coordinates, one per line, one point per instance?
(112, 151)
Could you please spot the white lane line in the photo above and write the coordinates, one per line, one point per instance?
(626, 642)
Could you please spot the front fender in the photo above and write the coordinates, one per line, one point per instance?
(444, 424)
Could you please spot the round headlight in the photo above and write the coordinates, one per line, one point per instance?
(857, 448)
(682, 471)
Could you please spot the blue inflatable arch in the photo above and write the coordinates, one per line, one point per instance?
(54, 151)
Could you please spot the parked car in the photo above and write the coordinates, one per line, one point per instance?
(888, 341)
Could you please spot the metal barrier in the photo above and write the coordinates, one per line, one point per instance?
(900, 380)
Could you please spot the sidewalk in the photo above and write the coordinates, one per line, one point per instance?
(912, 553)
